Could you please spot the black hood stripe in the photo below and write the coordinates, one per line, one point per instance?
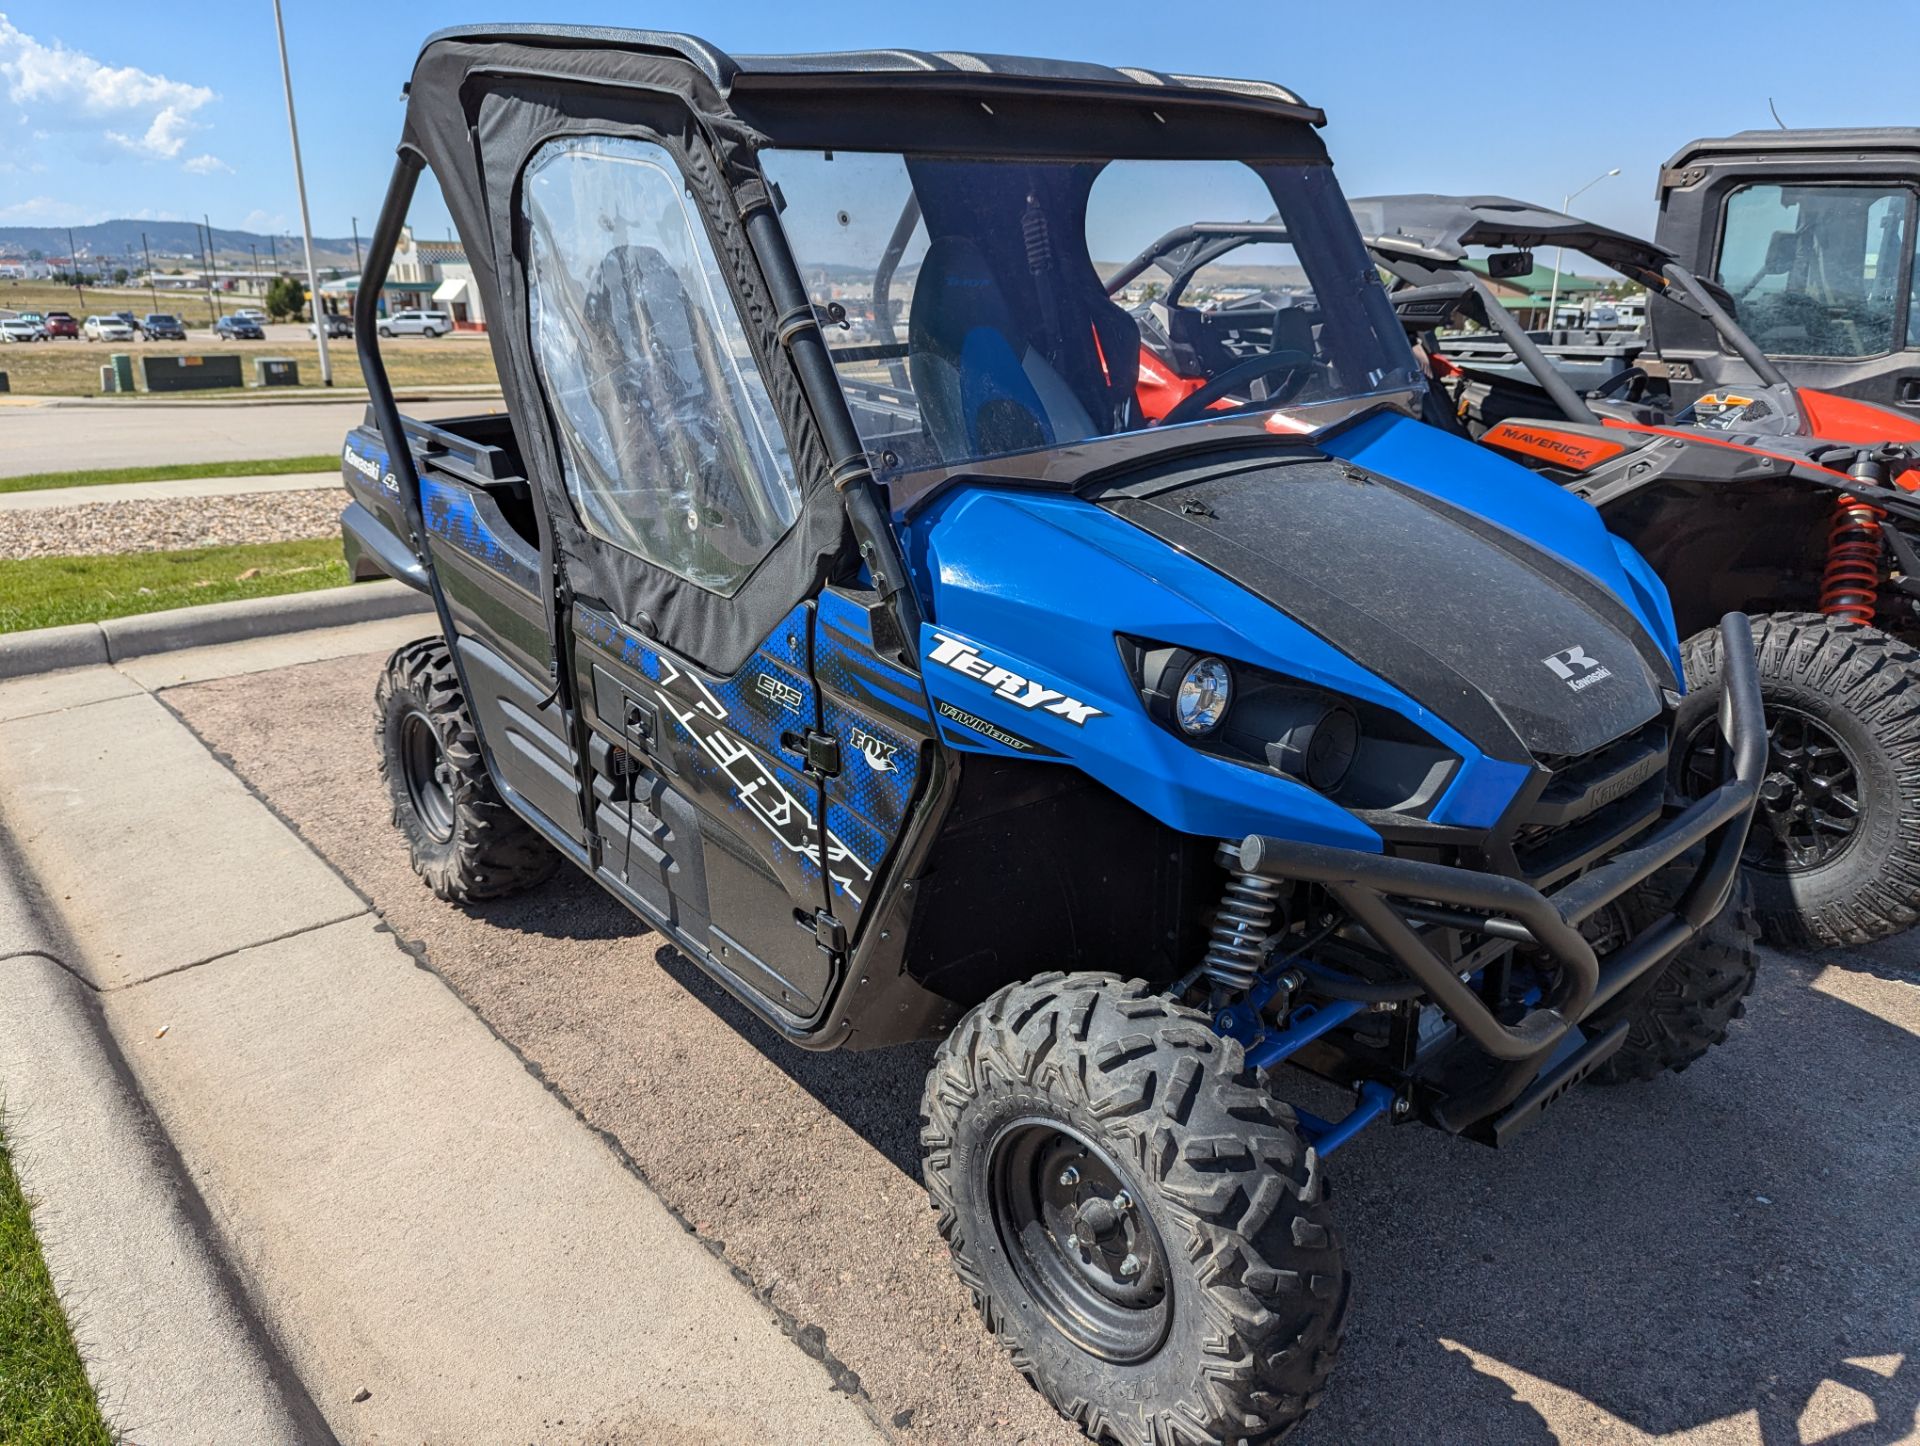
(1459, 615)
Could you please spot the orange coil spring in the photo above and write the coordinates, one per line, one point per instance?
(1851, 587)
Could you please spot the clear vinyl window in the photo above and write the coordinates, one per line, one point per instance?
(982, 308)
(1816, 270)
(669, 442)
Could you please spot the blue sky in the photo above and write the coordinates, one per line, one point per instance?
(167, 111)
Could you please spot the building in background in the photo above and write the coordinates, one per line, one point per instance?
(440, 270)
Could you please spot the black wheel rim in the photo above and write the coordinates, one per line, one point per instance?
(423, 762)
(1073, 1226)
(1809, 807)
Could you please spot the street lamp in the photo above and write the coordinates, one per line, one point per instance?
(1560, 252)
(300, 182)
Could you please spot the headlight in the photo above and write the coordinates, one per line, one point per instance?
(1200, 702)
(1358, 753)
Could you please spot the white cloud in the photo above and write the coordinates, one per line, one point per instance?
(131, 109)
(264, 222)
(47, 211)
(206, 166)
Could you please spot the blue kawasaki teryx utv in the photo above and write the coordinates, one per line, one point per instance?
(838, 593)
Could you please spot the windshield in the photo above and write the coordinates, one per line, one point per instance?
(968, 309)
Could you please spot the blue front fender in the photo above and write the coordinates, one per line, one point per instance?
(1037, 587)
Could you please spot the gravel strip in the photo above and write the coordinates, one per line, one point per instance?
(95, 528)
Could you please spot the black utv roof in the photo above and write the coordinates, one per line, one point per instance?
(1835, 138)
(931, 69)
(1446, 226)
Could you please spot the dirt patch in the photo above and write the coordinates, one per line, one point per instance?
(1714, 1253)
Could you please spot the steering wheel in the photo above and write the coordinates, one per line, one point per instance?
(1239, 375)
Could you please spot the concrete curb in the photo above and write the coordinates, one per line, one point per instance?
(164, 1331)
(45, 650)
(456, 392)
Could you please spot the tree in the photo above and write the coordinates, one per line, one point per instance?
(285, 298)
(120, 275)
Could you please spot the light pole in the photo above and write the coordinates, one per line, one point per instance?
(300, 182)
(1559, 252)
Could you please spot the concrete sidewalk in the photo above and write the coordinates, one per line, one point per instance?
(434, 1244)
(182, 487)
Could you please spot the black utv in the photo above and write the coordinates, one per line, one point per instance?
(830, 597)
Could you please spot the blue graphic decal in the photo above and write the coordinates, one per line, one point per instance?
(453, 516)
(744, 730)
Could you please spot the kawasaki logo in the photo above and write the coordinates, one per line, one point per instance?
(1576, 669)
(963, 657)
(369, 469)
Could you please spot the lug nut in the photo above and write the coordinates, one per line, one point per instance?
(1123, 1202)
(1130, 1267)
(1070, 1176)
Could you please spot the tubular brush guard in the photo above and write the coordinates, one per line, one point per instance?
(1381, 894)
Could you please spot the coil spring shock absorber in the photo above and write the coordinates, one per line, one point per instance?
(1850, 588)
(1237, 941)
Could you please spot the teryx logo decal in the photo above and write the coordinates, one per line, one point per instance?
(1576, 669)
(963, 657)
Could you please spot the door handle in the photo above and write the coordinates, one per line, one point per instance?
(1909, 394)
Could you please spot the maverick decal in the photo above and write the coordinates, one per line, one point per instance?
(963, 657)
(1576, 669)
(879, 753)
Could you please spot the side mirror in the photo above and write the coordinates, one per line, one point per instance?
(1506, 265)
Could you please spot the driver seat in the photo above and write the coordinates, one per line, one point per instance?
(984, 391)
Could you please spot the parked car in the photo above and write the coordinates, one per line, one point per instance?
(238, 328)
(161, 326)
(336, 326)
(257, 317)
(107, 328)
(417, 323)
(22, 328)
(132, 321)
(61, 324)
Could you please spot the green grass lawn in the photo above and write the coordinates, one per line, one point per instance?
(44, 592)
(269, 467)
(45, 1399)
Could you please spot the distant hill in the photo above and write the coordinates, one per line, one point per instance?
(173, 243)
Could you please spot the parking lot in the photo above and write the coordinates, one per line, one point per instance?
(1729, 1255)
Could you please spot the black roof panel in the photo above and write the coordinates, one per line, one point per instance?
(726, 71)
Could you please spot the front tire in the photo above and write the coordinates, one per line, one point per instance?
(1136, 1217)
(1698, 993)
(1834, 856)
(463, 839)
(387, 332)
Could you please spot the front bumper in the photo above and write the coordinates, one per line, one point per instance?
(1382, 894)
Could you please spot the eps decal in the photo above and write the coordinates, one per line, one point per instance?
(964, 657)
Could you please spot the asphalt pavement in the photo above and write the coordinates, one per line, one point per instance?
(136, 433)
(1724, 1256)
